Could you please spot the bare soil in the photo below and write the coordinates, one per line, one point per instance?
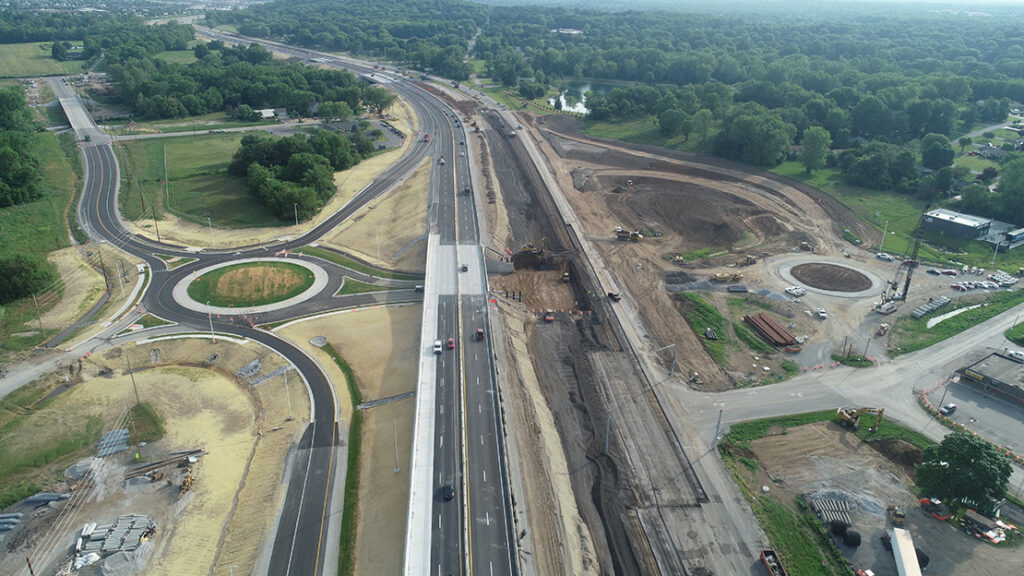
(224, 518)
(830, 277)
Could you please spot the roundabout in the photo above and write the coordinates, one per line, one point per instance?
(256, 285)
(832, 277)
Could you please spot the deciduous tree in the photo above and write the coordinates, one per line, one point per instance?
(964, 466)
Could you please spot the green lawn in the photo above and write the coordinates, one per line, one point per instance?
(200, 124)
(33, 59)
(974, 163)
(177, 56)
(910, 334)
(199, 186)
(356, 287)
(351, 264)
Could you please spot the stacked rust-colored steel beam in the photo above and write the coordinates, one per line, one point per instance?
(770, 330)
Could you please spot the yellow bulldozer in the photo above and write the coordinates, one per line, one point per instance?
(747, 260)
(850, 417)
(622, 234)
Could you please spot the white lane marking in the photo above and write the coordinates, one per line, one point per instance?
(442, 441)
(481, 439)
(488, 515)
(438, 521)
(477, 380)
(491, 564)
(475, 357)
(442, 409)
(479, 410)
(485, 475)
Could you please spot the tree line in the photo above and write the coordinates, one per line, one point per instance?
(294, 176)
(424, 34)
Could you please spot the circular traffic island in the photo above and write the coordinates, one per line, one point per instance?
(831, 277)
(251, 284)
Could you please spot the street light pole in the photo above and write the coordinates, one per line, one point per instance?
(212, 241)
(209, 315)
(295, 206)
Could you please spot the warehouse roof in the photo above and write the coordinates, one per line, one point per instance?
(958, 218)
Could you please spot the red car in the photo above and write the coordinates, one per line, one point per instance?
(479, 333)
(958, 287)
(451, 343)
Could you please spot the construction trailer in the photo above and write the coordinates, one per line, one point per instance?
(904, 553)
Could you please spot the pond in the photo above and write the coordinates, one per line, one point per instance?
(571, 95)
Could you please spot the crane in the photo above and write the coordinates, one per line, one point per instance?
(897, 289)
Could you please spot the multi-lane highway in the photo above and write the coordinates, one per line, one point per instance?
(474, 528)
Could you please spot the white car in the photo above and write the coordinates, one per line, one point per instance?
(822, 313)
(884, 256)
(796, 291)
(437, 347)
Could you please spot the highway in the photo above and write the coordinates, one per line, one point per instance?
(474, 529)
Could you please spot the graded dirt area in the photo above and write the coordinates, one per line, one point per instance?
(708, 211)
(381, 345)
(224, 518)
(251, 284)
(830, 277)
(390, 232)
(827, 461)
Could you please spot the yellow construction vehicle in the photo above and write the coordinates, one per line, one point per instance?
(747, 260)
(729, 277)
(896, 515)
(806, 246)
(622, 234)
(850, 417)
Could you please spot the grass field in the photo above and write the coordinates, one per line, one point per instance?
(33, 59)
(200, 124)
(975, 164)
(251, 284)
(199, 186)
(910, 334)
(356, 287)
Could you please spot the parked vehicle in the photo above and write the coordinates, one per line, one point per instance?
(884, 256)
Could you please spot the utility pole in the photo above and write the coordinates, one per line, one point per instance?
(287, 394)
(378, 246)
(885, 230)
(212, 241)
(718, 427)
(994, 252)
(167, 189)
(295, 207)
(30, 570)
(120, 282)
(209, 315)
(394, 429)
(142, 200)
(672, 369)
(607, 429)
(39, 318)
(132, 374)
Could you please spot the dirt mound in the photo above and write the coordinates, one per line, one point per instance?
(898, 451)
(831, 277)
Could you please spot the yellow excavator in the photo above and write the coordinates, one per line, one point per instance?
(850, 417)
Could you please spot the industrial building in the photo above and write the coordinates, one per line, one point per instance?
(955, 224)
(996, 374)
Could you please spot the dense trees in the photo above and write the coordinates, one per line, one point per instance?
(814, 148)
(22, 275)
(936, 151)
(295, 175)
(425, 34)
(964, 466)
(19, 167)
(238, 79)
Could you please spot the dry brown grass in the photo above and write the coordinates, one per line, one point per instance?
(258, 282)
(390, 224)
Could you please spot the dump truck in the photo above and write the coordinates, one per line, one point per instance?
(806, 246)
(772, 563)
(727, 277)
(850, 417)
(621, 234)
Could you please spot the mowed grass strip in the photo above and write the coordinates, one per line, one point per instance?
(351, 264)
(251, 284)
(356, 287)
(198, 186)
(33, 59)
